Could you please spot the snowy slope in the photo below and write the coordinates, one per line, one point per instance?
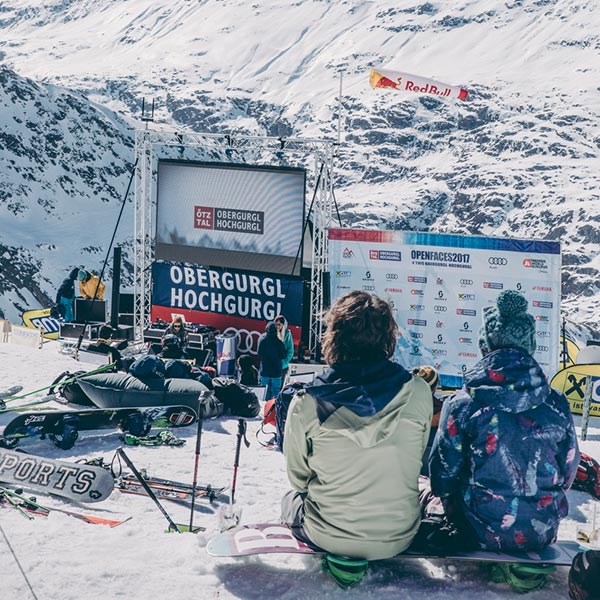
(518, 158)
(68, 559)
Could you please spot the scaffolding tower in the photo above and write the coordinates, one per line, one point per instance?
(147, 150)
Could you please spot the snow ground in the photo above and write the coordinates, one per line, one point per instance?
(65, 558)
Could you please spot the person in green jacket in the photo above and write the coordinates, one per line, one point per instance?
(285, 335)
(354, 440)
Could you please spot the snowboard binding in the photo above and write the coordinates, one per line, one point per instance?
(346, 572)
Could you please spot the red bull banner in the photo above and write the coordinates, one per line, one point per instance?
(240, 303)
(405, 82)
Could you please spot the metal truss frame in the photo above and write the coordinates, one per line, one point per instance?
(147, 150)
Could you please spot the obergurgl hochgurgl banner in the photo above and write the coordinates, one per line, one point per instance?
(238, 302)
(405, 82)
(439, 284)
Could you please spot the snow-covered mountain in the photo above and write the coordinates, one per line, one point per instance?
(519, 158)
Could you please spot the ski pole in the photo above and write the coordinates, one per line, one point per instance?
(150, 493)
(236, 463)
(70, 380)
(201, 402)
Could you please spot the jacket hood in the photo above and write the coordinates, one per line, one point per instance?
(363, 388)
(374, 394)
(73, 273)
(509, 379)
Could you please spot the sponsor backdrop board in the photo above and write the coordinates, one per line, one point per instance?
(438, 285)
(230, 215)
(236, 302)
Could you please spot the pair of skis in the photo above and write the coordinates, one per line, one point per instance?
(29, 508)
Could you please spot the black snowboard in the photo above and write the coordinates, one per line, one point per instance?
(62, 426)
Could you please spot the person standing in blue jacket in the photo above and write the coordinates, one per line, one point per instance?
(285, 335)
(506, 449)
(272, 352)
(65, 296)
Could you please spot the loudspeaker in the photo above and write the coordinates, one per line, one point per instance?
(73, 330)
(84, 311)
(126, 319)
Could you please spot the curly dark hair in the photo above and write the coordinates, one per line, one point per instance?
(360, 327)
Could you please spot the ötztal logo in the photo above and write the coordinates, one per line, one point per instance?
(417, 322)
(439, 324)
(348, 253)
(535, 263)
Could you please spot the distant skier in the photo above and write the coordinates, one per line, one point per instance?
(90, 285)
(355, 438)
(506, 449)
(65, 296)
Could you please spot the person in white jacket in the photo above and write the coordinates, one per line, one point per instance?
(354, 440)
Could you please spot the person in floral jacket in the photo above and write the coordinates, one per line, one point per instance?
(506, 449)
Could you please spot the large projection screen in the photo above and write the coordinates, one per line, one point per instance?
(236, 216)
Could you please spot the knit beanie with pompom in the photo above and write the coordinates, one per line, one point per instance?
(507, 325)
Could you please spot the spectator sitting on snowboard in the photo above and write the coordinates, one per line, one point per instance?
(354, 440)
(432, 379)
(90, 286)
(506, 450)
(65, 296)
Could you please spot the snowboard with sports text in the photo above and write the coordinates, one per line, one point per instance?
(275, 538)
(84, 483)
(58, 424)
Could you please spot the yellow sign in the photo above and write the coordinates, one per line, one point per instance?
(571, 382)
(41, 319)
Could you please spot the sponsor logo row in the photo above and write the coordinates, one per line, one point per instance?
(445, 256)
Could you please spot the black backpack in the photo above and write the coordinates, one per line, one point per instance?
(238, 399)
(70, 389)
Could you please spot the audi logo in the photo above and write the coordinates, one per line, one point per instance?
(440, 308)
(497, 261)
(368, 288)
(542, 348)
(245, 341)
(466, 282)
(391, 276)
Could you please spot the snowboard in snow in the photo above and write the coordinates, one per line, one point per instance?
(62, 425)
(80, 482)
(274, 538)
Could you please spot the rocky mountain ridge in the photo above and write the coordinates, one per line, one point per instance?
(518, 158)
